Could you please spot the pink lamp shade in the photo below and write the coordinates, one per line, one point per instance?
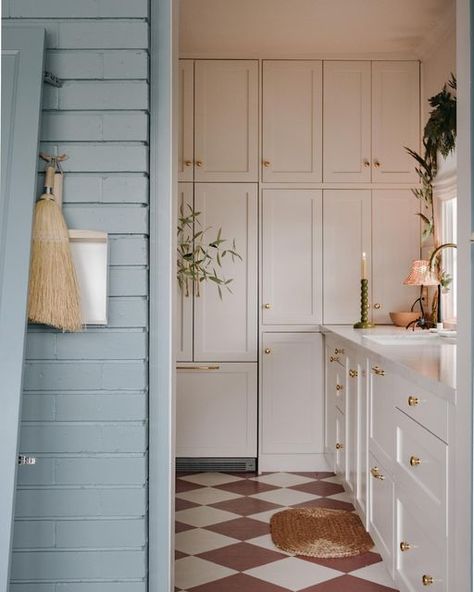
(420, 275)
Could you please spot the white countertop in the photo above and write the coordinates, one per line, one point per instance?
(432, 365)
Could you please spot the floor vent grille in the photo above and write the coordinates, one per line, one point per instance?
(204, 465)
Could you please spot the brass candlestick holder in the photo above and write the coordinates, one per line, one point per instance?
(364, 322)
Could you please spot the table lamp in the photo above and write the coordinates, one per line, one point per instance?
(420, 275)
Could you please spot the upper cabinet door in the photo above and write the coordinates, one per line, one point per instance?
(346, 237)
(395, 120)
(395, 243)
(184, 298)
(347, 150)
(292, 121)
(291, 256)
(186, 120)
(226, 329)
(226, 120)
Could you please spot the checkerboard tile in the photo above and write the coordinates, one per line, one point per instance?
(223, 541)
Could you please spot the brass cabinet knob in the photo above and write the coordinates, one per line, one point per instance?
(338, 351)
(199, 163)
(377, 164)
(188, 162)
(378, 371)
(333, 359)
(413, 401)
(375, 471)
(353, 373)
(268, 350)
(266, 163)
(366, 162)
(267, 306)
(427, 580)
(377, 306)
(339, 387)
(404, 546)
(415, 461)
(339, 446)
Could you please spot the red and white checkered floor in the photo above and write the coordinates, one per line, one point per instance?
(223, 541)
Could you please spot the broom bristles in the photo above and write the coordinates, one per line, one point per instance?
(53, 297)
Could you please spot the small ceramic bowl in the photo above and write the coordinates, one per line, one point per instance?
(401, 319)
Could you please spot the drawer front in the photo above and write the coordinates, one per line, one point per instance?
(421, 464)
(424, 407)
(381, 510)
(340, 444)
(340, 388)
(421, 550)
(381, 415)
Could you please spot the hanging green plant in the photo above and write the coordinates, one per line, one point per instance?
(439, 136)
(200, 260)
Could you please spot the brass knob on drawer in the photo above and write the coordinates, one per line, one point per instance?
(377, 306)
(339, 446)
(366, 162)
(333, 359)
(353, 373)
(188, 162)
(427, 580)
(413, 401)
(199, 163)
(267, 306)
(378, 371)
(266, 163)
(404, 546)
(268, 350)
(415, 461)
(376, 164)
(338, 351)
(375, 471)
(339, 387)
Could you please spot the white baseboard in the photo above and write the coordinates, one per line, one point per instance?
(292, 462)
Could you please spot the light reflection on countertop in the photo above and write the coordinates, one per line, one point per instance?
(431, 365)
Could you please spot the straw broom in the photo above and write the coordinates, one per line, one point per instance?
(53, 297)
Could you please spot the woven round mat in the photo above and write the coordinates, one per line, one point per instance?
(320, 532)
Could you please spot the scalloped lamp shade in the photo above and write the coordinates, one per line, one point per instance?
(420, 275)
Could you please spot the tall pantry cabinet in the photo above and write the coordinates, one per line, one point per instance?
(303, 163)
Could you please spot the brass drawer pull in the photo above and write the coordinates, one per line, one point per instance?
(413, 401)
(415, 461)
(378, 371)
(353, 373)
(197, 367)
(267, 306)
(404, 546)
(266, 163)
(188, 163)
(338, 351)
(427, 580)
(199, 163)
(339, 446)
(333, 359)
(376, 164)
(268, 350)
(366, 162)
(377, 474)
(339, 387)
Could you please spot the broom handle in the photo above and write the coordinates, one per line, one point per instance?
(49, 178)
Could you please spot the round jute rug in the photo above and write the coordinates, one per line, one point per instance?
(320, 532)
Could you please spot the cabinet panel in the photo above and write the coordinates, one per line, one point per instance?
(216, 411)
(346, 236)
(226, 120)
(186, 121)
(382, 511)
(330, 407)
(292, 393)
(347, 115)
(291, 256)
(184, 300)
(382, 399)
(340, 444)
(292, 121)
(226, 329)
(395, 244)
(395, 120)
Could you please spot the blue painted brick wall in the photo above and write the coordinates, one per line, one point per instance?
(81, 511)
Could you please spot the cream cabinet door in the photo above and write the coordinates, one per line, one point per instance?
(291, 256)
(347, 115)
(216, 411)
(395, 120)
(226, 329)
(186, 121)
(395, 243)
(292, 393)
(292, 121)
(226, 120)
(184, 298)
(346, 236)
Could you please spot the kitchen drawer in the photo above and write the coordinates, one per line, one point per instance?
(381, 510)
(421, 465)
(421, 549)
(335, 352)
(424, 407)
(382, 415)
(340, 444)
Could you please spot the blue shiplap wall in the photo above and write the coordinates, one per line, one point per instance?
(81, 511)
